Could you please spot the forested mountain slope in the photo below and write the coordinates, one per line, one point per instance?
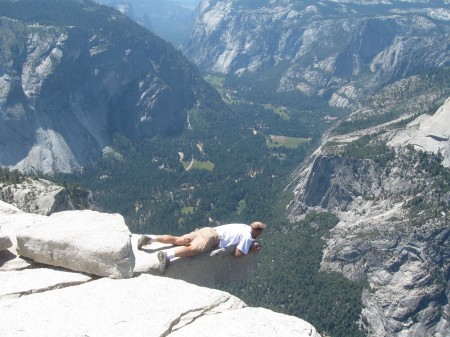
(337, 50)
(72, 73)
(384, 173)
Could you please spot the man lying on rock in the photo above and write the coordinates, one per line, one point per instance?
(206, 239)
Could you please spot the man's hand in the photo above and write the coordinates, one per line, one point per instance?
(219, 251)
(255, 247)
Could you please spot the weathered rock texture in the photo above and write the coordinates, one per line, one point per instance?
(428, 133)
(337, 50)
(5, 241)
(394, 228)
(240, 321)
(17, 283)
(39, 300)
(149, 305)
(72, 73)
(44, 197)
(84, 241)
(77, 240)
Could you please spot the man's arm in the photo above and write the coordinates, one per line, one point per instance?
(238, 253)
(253, 249)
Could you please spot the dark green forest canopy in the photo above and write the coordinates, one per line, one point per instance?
(151, 188)
(288, 279)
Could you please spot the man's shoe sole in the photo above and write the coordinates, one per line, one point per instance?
(163, 262)
(143, 241)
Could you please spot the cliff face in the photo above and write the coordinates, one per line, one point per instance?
(74, 73)
(394, 208)
(336, 181)
(405, 260)
(338, 50)
(428, 133)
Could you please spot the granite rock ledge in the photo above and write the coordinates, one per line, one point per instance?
(38, 299)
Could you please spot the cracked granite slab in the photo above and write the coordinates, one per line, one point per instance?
(148, 305)
(144, 305)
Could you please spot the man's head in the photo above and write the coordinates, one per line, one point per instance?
(257, 229)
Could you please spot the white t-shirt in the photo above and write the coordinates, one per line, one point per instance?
(235, 234)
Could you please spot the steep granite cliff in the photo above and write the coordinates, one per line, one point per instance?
(73, 73)
(393, 202)
(337, 50)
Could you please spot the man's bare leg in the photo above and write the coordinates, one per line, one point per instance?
(184, 251)
(169, 239)
(174, 240)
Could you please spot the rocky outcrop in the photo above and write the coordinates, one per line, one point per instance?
(17, 283)
(337, 50)
(69, 79)
(334, 182)
(45, 197)
(393, 229)
(149, 305)
(80, 304)
(428, 133)
(5, 241)
(75, 240)
(406, 266)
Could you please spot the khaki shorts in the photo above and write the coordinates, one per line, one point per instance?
(203, 239)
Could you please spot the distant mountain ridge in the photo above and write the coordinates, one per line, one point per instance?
(170, 19)
(73, 73)
(337, 50)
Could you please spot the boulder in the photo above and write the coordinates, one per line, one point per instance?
(144, 305)
(5, 241)
(14, 220)
(86, 241)
(10, 261)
